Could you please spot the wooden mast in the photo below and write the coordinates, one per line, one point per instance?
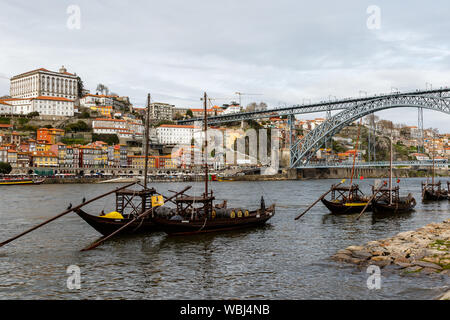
(206, 143)
(147, 135)
(432, 178)
(390, 174)
(354, 160)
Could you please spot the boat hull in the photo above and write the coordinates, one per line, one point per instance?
(106, 226)
(428, 195)
(20, 182)
(395, 208)
(189, 227)
(339, 208)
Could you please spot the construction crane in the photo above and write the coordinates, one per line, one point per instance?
(240, 94)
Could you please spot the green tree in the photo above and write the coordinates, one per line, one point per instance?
(110, 139)
(5, 168)
(189, 113)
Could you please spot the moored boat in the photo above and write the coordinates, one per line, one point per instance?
(346, 200)
(21, 181)
(198, 214)
(388, 201)
(433, 192)
(208, 218)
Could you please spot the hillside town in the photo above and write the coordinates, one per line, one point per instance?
(50, 120)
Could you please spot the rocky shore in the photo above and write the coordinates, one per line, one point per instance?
(425, 251)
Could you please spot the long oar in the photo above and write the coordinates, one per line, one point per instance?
(321, 197)
(64, 213)
(142, 215)
(369, 202)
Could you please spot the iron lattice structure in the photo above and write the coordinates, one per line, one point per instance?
(324, 106)
(302, 150)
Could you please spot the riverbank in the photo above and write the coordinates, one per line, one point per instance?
(338, 173)
(423, 251)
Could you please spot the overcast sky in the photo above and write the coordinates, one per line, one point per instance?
(286, 51)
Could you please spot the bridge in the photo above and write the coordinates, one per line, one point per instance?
(323, 106)
(350, 109)
(363, 164)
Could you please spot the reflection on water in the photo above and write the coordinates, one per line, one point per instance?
(286, 259)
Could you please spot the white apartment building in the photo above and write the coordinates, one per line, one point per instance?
(161, 111)
(43, 82)
(121, 128)
(45, 105)
(175, 134)
(5, 108)
(92, 100)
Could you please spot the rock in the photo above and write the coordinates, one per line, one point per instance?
(445, 296)
(444, 261)
(428, 270)
(413, 269)
(427, 265)
(342, 257)
(405, 235)
(445, 272)
(344, 251)
(434, 260)
(361, 254)
(404, 265)
(355, 248)
(381, 261)
(379, 251)
(380, 258)
(401, 260)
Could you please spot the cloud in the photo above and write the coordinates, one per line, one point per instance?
(285, 50)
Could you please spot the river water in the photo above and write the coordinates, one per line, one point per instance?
(286, 259)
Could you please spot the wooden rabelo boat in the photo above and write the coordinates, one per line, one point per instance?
(20, 181)
(434, 192)
(198, 214)
(346, 200)
(388, 201)
(129, 203)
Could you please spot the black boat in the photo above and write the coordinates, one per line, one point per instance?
(199, 214)
(388, 201)
(126, 209)
(433, 192)
(346, 200)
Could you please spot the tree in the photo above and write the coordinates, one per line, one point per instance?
(110, 139)
(102, 89)
(78, 127)
(33, 114)
(5, 168)
(189, 113)
(80, 87)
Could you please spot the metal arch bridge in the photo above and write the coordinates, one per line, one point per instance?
(324, 106)
(360, 164)
(302, 150)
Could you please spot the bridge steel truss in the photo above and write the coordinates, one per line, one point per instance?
(302, 150)
(324, 106)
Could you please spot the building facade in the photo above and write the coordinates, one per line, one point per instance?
(43, 82)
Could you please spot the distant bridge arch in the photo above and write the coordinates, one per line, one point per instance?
(301, 150)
